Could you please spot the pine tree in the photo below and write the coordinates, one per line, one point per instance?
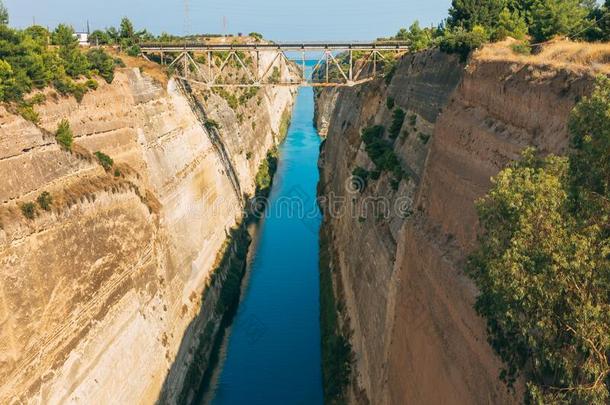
(3, 14)
(470, 13)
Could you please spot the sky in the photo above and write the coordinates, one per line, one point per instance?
(279, 20)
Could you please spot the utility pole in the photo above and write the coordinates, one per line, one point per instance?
(187, 29)
(187, 19)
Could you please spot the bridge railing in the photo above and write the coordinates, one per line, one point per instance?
(285, 46)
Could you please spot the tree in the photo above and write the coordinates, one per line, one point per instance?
(126, 30)
(74, 62)
(463, 42)
(39, 34)
(99, 37)
(3, 14)
(470, 13)
(64, 36)
(510, 24)
(7, 80)
(543, 264)
(601, 30)
(103, 63)
(590, 164)
(114, 35)
(557, 17)
(418, 38)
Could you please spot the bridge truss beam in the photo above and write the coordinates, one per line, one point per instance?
(350, 72)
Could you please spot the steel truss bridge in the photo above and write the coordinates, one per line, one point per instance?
(269, 58)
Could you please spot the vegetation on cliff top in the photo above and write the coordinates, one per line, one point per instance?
(28, 62)
(473, 23)
(543, 264)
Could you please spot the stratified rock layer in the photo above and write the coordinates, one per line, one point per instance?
(416, 337)
(96, 294)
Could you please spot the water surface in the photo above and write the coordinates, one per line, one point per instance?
(272, 354)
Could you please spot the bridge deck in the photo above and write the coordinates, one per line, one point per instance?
(291, 46)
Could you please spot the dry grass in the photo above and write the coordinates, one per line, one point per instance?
(563, 54)
(154, 70)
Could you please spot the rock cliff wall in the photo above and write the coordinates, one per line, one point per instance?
(398, 271)
(96, 294)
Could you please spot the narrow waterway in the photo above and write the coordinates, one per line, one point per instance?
(272, 353)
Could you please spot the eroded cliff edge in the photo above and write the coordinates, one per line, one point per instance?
(402, 296)
(96, 294)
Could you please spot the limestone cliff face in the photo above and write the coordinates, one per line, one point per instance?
(96, 294)
(416, 336)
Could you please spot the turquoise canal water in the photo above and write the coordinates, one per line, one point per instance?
(272, 353)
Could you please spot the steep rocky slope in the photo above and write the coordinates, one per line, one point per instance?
(96, 294)
(397, 268)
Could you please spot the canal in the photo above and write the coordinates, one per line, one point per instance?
(271, 354)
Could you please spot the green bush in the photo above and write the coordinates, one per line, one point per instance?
(28, 113)
(257, 36)
(102, 63)
(275, 76)
(398, 118)
(424, 138)
(381, 151)
(134, 51)
(36, 99)
(99, 37)
(418, 38)
(359, 178)
(45, 200)
(389, 103)
(229, 97)
(63, 135)
(91, 84)
(413, 120)
(264, 176)
(389, 71)
(521, 48)
(105, 160)
(29, 210)
(211, 124)
(118, 62)
(463, 42)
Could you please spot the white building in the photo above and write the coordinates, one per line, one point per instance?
(83, 38)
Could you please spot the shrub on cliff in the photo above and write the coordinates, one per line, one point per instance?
(63, 135)
(105, 160)
(29, 210)
(102, 64)
(543, 264)
(398, 118)
(381, 152)
(257, 36)
(463, 42)
(45, 200)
